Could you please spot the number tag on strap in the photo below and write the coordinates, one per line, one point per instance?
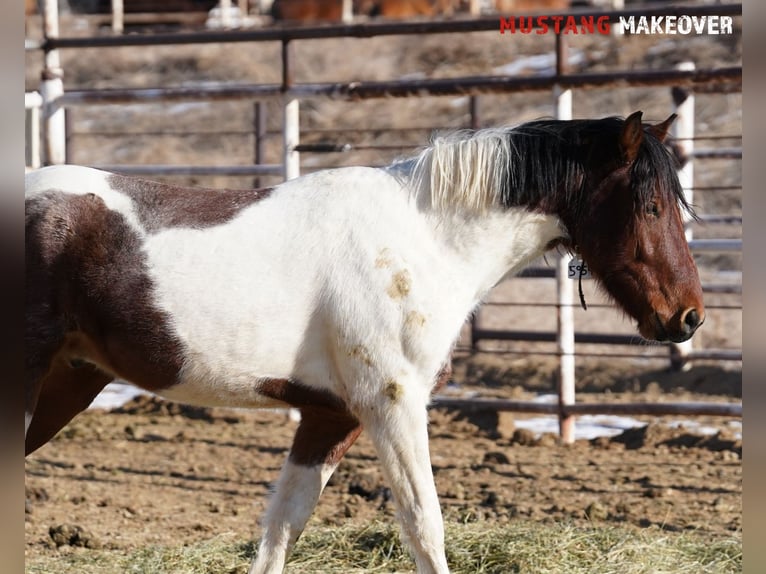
(578, 269)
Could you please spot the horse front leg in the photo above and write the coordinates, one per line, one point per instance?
(399, 432)
(322, 438)
(63, 393)
(55, 390)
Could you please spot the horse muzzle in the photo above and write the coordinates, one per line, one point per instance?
(678, 329)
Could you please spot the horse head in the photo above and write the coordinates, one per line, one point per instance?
(631, 231)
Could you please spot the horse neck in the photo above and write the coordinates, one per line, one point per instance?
(491, 246)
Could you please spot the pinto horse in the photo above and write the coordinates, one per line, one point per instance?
(340, 293)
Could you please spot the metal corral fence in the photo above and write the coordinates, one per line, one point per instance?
(685, 81)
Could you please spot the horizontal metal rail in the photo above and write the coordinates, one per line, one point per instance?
(232, 170)
(657, 409)
(342, 147)
(483, 405)
(306, 132)
(722, 288)
(546, 337)
(715, 218)
(706, 138)
(715, 245)
(598, 339)
(324, 147)
(716, 188)
(661, 355)
(727, 79)
(548, 273)
(314, 132)
(205, 92)
(650, 409)
(590, 305)
(717, 153)
(715, 354)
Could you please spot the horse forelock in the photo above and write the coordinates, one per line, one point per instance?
(656, 171)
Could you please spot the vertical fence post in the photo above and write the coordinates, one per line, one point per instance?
(565, 342)
(32, 104)
(473, 112)
(616, 6)
(683, 132)
(347, 12)
(473, 119)
(68, 131)
(259, 124)
(291, 135)
(51, 88)
(291, 130)
(118, 16)
(225, 10)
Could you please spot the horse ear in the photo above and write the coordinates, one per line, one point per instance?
(631, 137)
(660, 131)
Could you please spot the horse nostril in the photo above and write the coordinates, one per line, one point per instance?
(690, 320)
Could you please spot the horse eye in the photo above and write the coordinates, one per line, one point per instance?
(653, 209)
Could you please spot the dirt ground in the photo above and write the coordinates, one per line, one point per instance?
(154, 472)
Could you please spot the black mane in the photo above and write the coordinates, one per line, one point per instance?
(552, 158)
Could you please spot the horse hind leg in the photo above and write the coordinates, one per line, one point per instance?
(63, 392)
(322, 438)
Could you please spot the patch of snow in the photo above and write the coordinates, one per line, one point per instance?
(587, 427)
(540, 64)
(115, 395)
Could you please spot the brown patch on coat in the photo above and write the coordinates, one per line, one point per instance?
(327, 428)
(159, 205)
(298, 395)
(323, 437)
(97, 305)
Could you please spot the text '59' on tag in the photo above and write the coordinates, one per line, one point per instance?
(578, 269)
